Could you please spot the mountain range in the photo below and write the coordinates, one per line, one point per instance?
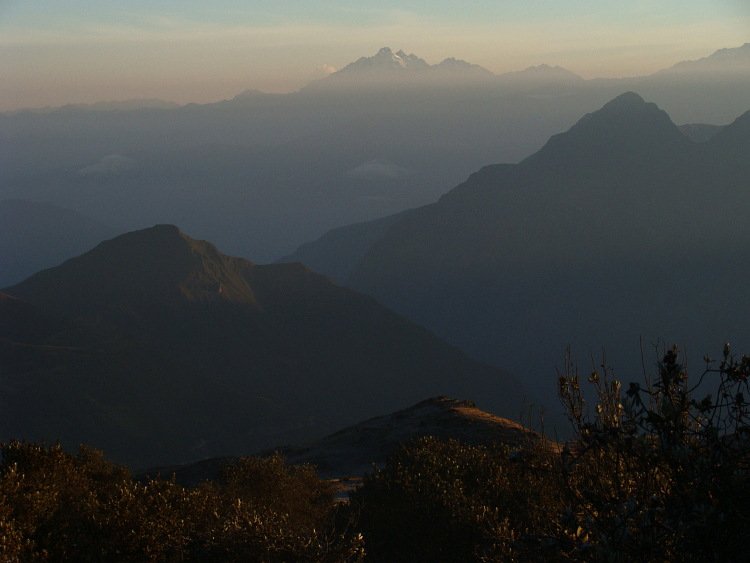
(385, 66)
(159, 349)
(261, 174)
(35, 236)
(619, 229)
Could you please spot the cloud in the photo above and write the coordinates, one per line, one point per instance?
(321, 72)
(110, 164)
(378, 169)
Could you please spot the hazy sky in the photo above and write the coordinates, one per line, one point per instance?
(54, 52)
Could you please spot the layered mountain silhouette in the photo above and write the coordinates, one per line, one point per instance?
(722, 61)
(618, 229)
(160, 349)
(261, 173)
(35, 236)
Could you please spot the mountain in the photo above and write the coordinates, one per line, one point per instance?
(81, 384)
(613, 231)
(732, 60)
(542, 79)
(385, 60)
(260, 174)
(112, 105)
(386, 68)
(286, 354)
(626, 130)
(338, 251)
(458, 66)
(713, 89)
(35, 236)
(355, 449)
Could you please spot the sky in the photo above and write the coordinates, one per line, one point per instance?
(55, 52)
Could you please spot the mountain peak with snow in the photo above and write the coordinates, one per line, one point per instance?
(385, 61)
(387, 68)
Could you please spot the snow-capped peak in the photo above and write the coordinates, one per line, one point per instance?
(386, 60)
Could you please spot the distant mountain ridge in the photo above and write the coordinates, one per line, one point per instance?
(105, 105)
(723, 60)
(612, 230)
(261, 174)
(256, 356)
(386, 61)
(35, 236)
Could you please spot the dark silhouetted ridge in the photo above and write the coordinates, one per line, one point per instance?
(625, 131)
(35, 236)
(156, 265)
(620, 227)
(735, 136)
(255, 356)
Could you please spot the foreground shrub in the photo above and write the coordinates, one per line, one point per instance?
(447, 501)
(656, 475)
(276, 512)
(55, 506)
(659, 474)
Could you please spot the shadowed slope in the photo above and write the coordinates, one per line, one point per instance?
(612, 231)
(338, 251)
(68, 381)
(325, 355)
(34, 236)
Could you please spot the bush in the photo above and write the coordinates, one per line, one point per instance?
(276, 512)
(656, 475)
(55, 506)
(659, 474)
(447, 501)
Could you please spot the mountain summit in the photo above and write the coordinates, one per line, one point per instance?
(156, 265)
(619, 227)
(318, 356)
(386, 60)
(386, 63)
(625, 130)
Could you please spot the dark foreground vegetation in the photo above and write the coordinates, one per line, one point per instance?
(660, 472)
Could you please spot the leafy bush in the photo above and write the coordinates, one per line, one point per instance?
(656, 475)
(659, 474)
(56, 506)
(276, 512)
(447, 501)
